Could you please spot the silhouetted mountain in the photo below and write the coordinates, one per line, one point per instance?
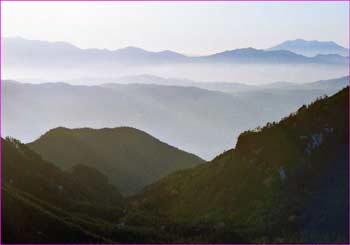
(30, 59)
(312, 48)
(200, 121)
(23, 52)
(42, 204)
(129, 157)
(29, 53)
(286, 182)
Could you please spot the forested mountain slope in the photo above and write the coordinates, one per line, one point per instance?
(286, 182)
(42, 204)
(129, 157)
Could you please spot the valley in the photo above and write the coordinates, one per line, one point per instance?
(263, 190)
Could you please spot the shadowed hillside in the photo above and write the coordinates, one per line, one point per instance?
(129, 157)
(284, 183)
(42, 204)
(287, 181)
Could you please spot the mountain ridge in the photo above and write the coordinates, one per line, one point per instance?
(130, 158)
(27, 49)
(295, 171)
(150, 107)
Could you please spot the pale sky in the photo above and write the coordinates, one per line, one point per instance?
(185, 27)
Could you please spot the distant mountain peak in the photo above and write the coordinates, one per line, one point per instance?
(312, 47)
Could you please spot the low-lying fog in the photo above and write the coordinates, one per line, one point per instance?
(242, 73)
(202, 118)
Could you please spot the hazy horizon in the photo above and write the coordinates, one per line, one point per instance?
(159, 80)
(155, 51)
(157, 26)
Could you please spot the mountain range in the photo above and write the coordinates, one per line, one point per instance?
(35, 60)
(207, 157)
(285, 182)
(19, 51)
(204, 120)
